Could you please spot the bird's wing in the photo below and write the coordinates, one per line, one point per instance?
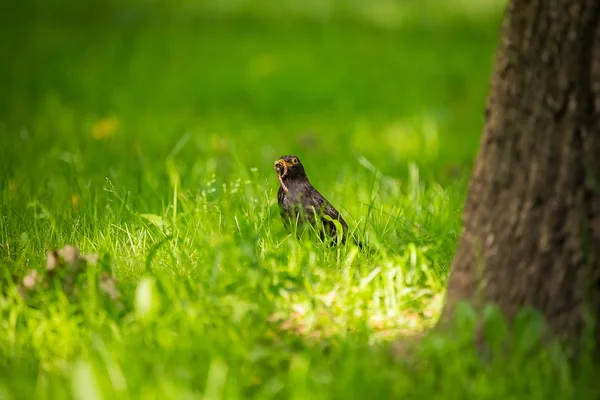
(319, 205)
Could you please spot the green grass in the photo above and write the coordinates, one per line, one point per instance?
(150, 141)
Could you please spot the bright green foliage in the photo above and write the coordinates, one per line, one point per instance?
(146, 133)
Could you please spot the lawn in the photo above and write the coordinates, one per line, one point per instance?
(144, 135)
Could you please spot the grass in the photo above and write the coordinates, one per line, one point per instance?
(151, 143)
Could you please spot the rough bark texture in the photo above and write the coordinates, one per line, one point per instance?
(532, 216)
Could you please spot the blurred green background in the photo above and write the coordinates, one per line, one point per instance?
(393, 81)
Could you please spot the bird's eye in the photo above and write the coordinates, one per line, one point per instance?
(294, 161)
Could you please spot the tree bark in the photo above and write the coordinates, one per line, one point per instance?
(532, 216)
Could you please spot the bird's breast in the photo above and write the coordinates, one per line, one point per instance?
(291, 199)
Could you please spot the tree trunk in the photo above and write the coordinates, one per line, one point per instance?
(532, 216)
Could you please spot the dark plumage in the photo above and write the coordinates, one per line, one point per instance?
(300, 202)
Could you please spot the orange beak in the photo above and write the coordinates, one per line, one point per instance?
(281, 167)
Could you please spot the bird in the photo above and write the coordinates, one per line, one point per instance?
(300, 203)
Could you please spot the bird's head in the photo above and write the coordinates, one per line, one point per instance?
(289, 167)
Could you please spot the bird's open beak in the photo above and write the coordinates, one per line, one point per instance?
(281, 167)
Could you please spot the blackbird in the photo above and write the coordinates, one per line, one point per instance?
(300, 202)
